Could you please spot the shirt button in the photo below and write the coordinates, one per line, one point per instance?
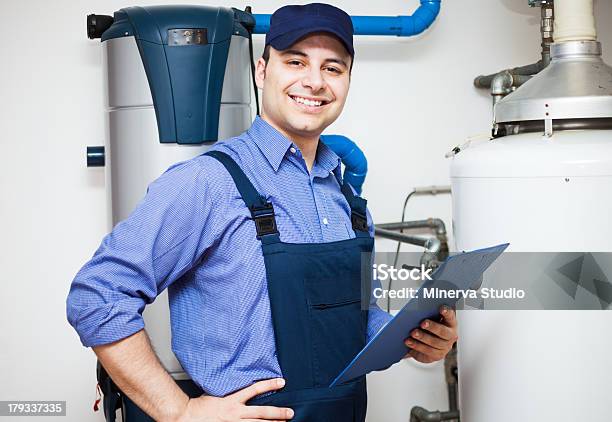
(292, 150)
(325, 221)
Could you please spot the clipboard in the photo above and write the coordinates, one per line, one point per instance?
(460, 272)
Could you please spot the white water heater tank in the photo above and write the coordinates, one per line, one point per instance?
(544, 187)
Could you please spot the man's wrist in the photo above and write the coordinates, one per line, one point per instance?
(177, 411)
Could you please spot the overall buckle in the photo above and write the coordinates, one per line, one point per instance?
(359, 221)
(265, 222)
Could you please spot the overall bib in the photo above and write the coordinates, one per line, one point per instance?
(315, 293)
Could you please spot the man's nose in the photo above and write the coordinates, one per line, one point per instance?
(314, 80)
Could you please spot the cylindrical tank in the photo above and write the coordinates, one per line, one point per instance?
(540, 194)
(136, 156)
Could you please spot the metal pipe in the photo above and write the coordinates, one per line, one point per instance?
(419, 414)
(504, 83)
(485, 81)
(452, 396)
(431, 223)
(431, 257)
(547, 21)
(546, 31)
(451, 376)
(501, 84)
(431, 244)
(432, 190)
(401, 26)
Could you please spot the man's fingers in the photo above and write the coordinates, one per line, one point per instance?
(258, 388)
(440, 330)
(428, 351)
(268, 413)
(449, 316)
(431, 340)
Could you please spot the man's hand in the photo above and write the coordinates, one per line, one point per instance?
(233, 407)
(433, 340)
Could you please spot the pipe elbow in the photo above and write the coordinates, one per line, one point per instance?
(438, 225)
(421, 19)
(502, 83)
(353, 158)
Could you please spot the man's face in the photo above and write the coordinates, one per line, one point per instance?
(305, 87)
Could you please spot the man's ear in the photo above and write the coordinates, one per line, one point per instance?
(260, 73)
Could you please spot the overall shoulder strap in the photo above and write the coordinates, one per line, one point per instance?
(262, 211)
(358, 206)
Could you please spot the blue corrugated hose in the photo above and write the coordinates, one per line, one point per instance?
(354, 160)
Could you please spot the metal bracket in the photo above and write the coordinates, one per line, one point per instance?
(539, 3)
(548, 128)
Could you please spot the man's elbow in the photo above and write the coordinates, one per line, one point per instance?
(99, 322)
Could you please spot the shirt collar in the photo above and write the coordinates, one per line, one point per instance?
(271, 142)
(274, 146)
(328, 160)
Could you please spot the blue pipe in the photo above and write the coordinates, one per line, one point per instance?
(354, 160)
(401, 26)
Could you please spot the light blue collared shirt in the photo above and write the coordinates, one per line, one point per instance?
(193, 234)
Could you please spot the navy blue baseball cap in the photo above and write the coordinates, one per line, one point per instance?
(289, 24)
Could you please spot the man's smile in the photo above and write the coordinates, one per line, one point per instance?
(309, 103)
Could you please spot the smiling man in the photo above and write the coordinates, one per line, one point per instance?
(259, 243)
(304, 86)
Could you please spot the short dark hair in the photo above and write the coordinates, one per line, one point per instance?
(266, 56)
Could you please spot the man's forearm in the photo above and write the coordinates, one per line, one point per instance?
(134, 367)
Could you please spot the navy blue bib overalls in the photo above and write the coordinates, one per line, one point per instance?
(315, 292)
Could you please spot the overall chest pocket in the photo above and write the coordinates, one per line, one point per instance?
(337, 325)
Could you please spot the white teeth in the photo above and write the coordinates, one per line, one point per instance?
(311, 103)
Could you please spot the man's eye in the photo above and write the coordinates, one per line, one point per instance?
(332, 69)
(294, 63)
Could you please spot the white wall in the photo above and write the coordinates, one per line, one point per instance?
(411, 101)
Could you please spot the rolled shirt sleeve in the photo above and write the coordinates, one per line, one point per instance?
(160, 240)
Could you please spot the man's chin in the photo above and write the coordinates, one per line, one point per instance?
(307, 131)
(308, 127)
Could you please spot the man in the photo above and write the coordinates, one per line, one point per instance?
(259, 244)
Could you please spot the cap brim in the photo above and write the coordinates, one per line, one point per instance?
(284, 41)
